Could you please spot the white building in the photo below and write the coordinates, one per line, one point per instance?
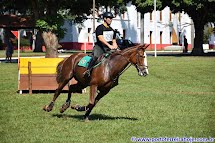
(170, 29)
(78, 36)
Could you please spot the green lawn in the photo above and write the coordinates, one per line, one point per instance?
(29, 53)
(23, 54)
(177, 99)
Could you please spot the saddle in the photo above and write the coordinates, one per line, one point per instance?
(84, 62)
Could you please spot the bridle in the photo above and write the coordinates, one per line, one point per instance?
(137, 65)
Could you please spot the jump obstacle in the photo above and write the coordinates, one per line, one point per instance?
(39, 74)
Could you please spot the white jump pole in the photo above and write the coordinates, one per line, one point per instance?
(20, 92)
(155, 27)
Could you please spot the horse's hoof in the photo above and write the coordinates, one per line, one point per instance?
(73, 106)
(62, 110)
(46, 108)
(76, 106)
(79, 108)
(64, 107)
(86, 119)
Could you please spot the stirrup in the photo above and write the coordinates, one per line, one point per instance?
(87, 73)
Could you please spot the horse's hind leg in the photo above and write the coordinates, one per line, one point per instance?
(75, 88)
(57, 93)
(67, 103)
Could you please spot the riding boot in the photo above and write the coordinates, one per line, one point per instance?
(90, 67)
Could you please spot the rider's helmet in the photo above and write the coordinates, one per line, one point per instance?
(108, 14)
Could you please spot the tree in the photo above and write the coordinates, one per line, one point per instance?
(49, 15)
(208, 31)
(50, 19)
(200, 11)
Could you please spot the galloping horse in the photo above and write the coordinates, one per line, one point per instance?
(103, 77)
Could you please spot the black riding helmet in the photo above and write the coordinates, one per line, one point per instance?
(108, 14)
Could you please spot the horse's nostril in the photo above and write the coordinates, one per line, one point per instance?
(145, 73)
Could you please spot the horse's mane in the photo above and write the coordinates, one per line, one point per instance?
(129, 49)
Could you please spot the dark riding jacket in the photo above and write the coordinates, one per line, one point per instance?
(108, 33)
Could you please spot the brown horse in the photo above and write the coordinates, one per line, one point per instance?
(103, 77)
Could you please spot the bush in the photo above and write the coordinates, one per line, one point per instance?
(23, 42)
(208, 31)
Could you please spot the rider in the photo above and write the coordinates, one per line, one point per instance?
(105, 40)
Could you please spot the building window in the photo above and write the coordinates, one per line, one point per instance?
(123, 15)
(150, 39)
(179, 37)
(161, 39)
(170, 37)
(150, 16)
(170, 16)
(79, 30)
(89, 29)
(161, 16)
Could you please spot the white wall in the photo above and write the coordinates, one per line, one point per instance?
(130, 22)
(164, 26)
(127, 23)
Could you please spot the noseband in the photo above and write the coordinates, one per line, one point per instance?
(138, 64)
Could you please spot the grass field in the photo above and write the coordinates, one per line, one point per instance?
(177, 99)
(23, 54)
(31, 53)
(28, 53)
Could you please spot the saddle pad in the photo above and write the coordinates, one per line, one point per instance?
(84, 61)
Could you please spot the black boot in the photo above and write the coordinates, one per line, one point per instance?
(89, 67)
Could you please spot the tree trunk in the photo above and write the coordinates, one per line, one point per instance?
(51, 43)
(198, 41)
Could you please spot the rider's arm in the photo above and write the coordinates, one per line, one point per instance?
(101, 38)
(115, 44)
(114, 40)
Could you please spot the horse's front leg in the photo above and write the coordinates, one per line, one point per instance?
(90, 106)
(88, 109)
(49, 107)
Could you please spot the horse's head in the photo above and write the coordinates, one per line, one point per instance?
(139, 59)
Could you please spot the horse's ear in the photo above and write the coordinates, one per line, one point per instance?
(145, 47)
(141, 46)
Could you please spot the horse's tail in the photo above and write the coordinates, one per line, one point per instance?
(59, 77)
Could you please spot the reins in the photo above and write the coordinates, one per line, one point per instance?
(128, 66)
(130, 63)
(127, 59)
(122, 71)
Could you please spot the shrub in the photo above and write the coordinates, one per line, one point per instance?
(23, 42)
